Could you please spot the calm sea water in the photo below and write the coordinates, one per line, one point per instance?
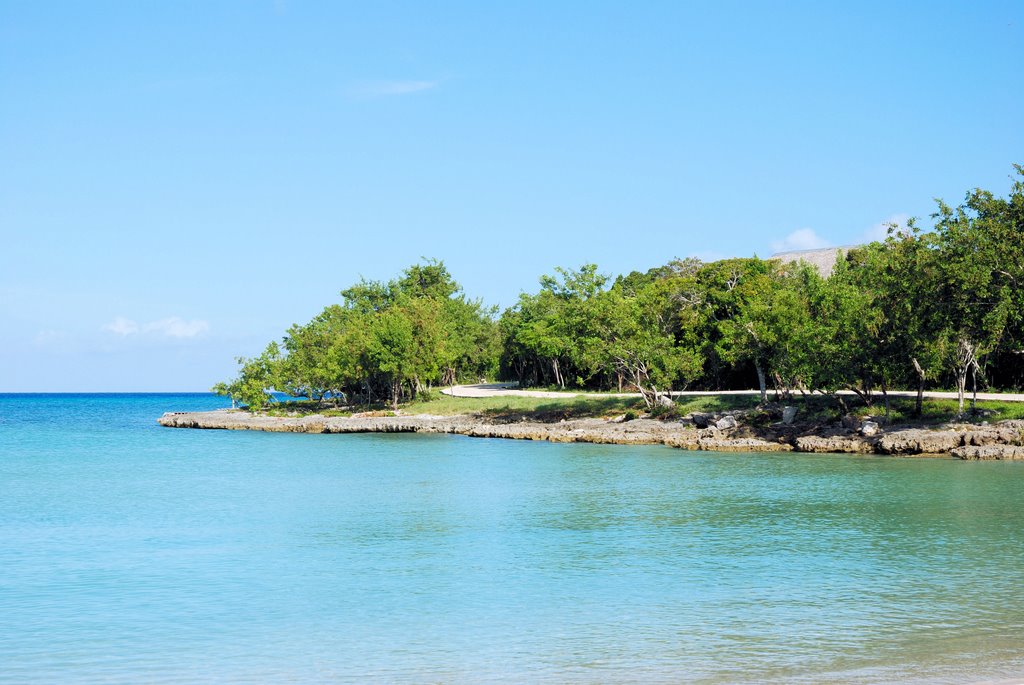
(134, 553)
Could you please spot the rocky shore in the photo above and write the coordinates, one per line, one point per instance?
(722, 433)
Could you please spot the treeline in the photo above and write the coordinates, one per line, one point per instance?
(939, 307)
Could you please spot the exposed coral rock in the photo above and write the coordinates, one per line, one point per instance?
(725, 423)
(1000, 441)
(851, 422)
(993, 436)
(989, 452)
(701, 420)
(869, 429)
(742, 445)
(919, 441)
(834, 443)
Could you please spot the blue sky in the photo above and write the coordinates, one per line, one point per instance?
(181, 181)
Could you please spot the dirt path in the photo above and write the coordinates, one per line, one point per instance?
(510, 390)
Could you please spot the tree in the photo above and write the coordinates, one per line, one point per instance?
(981, 274)
(739, 299)
(255, 379)
(553, 335)
(899, 277)
(648, 332)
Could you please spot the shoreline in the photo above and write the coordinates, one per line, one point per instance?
(998, 441)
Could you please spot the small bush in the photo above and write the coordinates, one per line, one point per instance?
(665, 413)
(629, 416)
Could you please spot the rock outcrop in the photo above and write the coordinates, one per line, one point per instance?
(920, 441)
(834, 443)
(724, 433)
(988, 452)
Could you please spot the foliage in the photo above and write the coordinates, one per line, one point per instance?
(384, 340)
(941, 307)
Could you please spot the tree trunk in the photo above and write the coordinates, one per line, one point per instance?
(974, 386)
(558, 373)
(961, 382)
(966, 362)
(396, 389)
(761, 384)
(918, 406)
(868, 395)
(885, 396)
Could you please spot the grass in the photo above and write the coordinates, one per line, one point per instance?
(509, 407)
(901, 410)
(547, 409)
(812, 408)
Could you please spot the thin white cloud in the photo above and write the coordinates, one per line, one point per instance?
(171, 327)
(122, 326)
(379, 89)
(175, 327)
(800, 239)
(880, 231)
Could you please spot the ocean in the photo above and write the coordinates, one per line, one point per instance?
(131, 553)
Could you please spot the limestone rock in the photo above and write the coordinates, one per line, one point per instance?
(987, 452)
(701, 420)
(742, 445)
(918, 441)
(851, 422)
(726, 423)
(788, 415)
(869, 429)
(835, 443)
(993, 436)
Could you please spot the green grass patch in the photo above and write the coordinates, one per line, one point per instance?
(513, 408)
(536, 408)
(812, 408)
(934, 411)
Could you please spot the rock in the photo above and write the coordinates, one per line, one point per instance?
(918, 441)
(684, 442)
(665, 401)
(869, 429)
(1004, 440)
(742, 445)
(726, 423)
(788, 415)
(701, 420)
(835, 443)
(1014, 452)
(851, 422)
(992, 436)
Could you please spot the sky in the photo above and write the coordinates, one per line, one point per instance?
(181, 181)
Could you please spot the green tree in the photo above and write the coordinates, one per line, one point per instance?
(553, 334)
(648, 334)
(981, 273)
(255, 379)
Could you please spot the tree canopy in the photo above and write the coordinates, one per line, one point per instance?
(943, 306)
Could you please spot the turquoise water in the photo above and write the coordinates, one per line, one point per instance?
(134, 553)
